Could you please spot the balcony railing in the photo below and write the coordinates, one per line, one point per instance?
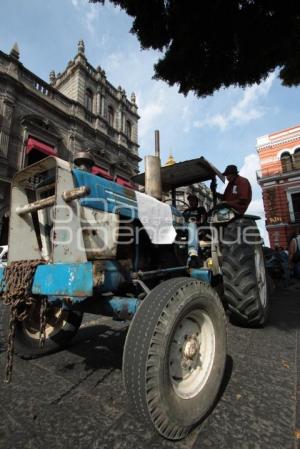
(277, 171)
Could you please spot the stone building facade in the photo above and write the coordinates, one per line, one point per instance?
(279, 179)
(77, 110)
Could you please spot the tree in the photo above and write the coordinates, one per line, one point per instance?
(211, 44)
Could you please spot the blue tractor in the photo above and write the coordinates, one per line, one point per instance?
(76, 239)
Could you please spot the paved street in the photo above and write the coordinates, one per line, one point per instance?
(75, 398)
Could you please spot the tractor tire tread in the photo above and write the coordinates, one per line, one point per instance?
(239, 277)
(149, 328)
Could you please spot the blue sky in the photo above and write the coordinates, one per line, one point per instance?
(222, 128)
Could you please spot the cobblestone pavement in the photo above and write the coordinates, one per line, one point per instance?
(75, 398)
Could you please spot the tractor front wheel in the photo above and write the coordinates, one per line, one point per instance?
(174, 356)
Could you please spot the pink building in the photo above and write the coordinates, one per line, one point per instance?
(279, 179)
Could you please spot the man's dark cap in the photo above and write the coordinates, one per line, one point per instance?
(230, 170)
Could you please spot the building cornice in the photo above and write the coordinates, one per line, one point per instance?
(274, 144)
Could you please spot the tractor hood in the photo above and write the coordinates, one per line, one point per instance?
(184, 174)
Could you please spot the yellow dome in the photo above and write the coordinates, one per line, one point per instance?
(170, 160)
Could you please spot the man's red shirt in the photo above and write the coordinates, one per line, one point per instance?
(238, 194)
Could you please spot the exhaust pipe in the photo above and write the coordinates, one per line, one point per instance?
(153, 186)
(157, 145)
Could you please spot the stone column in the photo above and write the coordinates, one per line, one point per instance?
(97, 102)
(102, 105)
(134, 131)
(7, 115)
(71, 143)
(119, 118)
(23, 151)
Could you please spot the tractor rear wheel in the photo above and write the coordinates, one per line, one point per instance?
(246, 291)
(174, 356)
(61, 327)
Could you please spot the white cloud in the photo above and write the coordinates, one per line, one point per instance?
(151, 110)
(115, 9)
(248, 108)
(214, 120)
(89, 13)
(90, 17)
(256, 207)
(101, 41)
(114, 61)
(186, 118)
(250, 167)
(78, 3)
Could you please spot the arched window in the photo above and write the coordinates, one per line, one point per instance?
(286, 161)
(111, 115)
(89, 100)
(297, 159)
(128, 129)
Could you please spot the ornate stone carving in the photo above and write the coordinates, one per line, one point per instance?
(15, 52)
(81, 47)
(52, 77)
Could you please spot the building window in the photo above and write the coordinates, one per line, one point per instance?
(294, 205)
(89, 100)
(111, 116)
(128, 129)
(286, 161)
(297, 159)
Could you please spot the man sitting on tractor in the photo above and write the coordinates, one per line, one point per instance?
(195, 212)
(238, 193)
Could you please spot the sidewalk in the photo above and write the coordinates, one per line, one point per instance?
(75, 398)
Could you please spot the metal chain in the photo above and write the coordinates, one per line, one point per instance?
(18, 282)
(10, 345)
(43, 318)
